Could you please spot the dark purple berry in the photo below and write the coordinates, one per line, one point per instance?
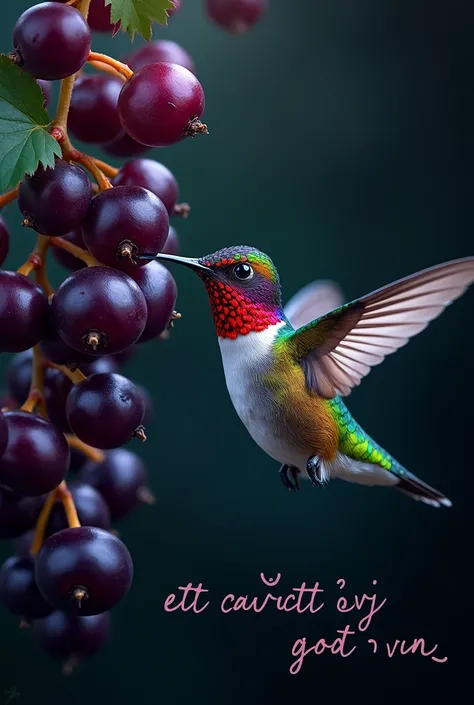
(24, 312)
(105, 410)
(160, 292)
(55, 201)
(124, 146)
(153, 176)
(36, 459)
(65, 636)
(93, 115)
(124, 222)
(83, 570)
(99, 17)
(160, 50)
(99, 310)
(17, 514)
(162, 104)
(237, 16)
(91, 508)
(52, 40)
(120, 478)
(18, 590)
(172, 243)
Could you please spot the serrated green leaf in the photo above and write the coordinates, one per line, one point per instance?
(137, 15)
(24, 140)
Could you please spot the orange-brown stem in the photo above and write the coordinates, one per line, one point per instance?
(107, 169)
(120, 67)
(93, 454)
(75, 376)
(8, 197)
(78, 252)
(69, 507)
(42, 523)
(100, 66)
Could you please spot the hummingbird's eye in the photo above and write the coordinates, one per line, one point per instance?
(243, 271)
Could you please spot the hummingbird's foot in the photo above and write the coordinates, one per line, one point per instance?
(289, 477)
(313, 468)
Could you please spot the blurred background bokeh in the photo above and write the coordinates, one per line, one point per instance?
(341, 143)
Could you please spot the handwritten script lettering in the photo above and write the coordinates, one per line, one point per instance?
(307, 599)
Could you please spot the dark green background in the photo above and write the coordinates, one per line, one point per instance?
(341, 144)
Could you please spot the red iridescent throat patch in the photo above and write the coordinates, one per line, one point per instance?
(234, 314)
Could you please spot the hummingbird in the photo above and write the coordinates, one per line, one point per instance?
(288, 369)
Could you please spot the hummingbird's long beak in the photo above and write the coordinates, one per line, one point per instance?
(190, 262)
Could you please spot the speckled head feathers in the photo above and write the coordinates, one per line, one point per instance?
(244, 290)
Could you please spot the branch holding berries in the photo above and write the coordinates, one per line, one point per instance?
(69, 406)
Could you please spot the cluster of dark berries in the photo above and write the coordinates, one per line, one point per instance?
(67, 410)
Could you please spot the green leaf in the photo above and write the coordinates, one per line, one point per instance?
(137, 15)
(24, 140)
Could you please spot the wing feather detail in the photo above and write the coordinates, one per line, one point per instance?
(339, 349)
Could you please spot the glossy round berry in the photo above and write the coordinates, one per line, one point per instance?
(105, 410)
(172, 243)
(237, 16)
(55, 201)
(56, 387)
(120, 478)
(99, 310)
(160, 50)
(46, 87)
(65, 636)
(153, 176)
(4, 241)
(91, 508)
(107, 363)
(24, 312)
(160, 292)
(124, 146)
(162, 104)
(36, 459)
(64, 258)
(3, 434)
(22, 545)
(17, 514)
(52, 40)
(83, 570)
(99, 17)
(93, 115)
(18, 590)
(124, 222)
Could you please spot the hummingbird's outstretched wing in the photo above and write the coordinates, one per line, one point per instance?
(339, 349)
(313, 301)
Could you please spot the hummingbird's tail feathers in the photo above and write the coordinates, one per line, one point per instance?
(422, 492)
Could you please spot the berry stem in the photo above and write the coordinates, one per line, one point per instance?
(121, 68)
(37, 381)
(42, 523)
(75, 376)
(90, 164)
(107, 169)
(100, 66)
(67, 84)
(8, 197)
(78, 252)
(65, 496)
(93, 454)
